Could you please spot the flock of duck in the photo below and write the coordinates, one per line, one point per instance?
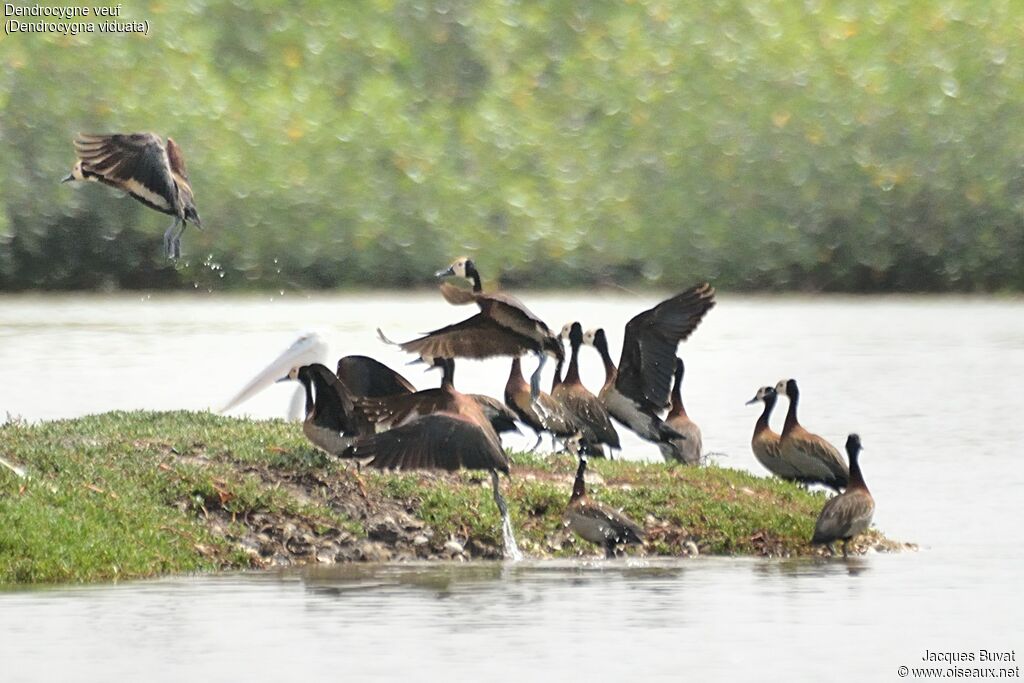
(366, 412)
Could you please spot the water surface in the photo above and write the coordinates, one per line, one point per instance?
(931, 384)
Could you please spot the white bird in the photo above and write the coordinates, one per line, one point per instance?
(308, 348)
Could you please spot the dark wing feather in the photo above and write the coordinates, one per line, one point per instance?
(474, 337)
(511, 313)
(176, 160)
(439, 441)
(398, 408)
(650, 341)
(500, 416)
(368, 377)
(136, 163)
(840, 514)
(625, 529)
(589, 413)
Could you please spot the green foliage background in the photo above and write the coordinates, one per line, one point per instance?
(767, 144)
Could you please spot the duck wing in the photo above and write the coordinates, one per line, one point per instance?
(649, 344)
(440, 441)
(136, 163)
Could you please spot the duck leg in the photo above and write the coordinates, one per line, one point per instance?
(846, 542)
(172, 239)
(540, 436)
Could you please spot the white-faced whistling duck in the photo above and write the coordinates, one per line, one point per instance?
(330, 422)
(594, 521)
(434, 429)
(638, 390)
(140, 164)
(543, 414)
(586, 408)
(848, 514)
(367, 377)
(814, 458)
(686, 450)
(766, 443)
(503, 327)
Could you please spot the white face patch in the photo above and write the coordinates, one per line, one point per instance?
(781, 387)
(459, 267)
(588, 337)
(293, 373)
(564, 334)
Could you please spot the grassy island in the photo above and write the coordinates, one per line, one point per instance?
(137, 494)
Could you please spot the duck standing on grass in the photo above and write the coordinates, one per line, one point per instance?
(593, 520)
(849, 513)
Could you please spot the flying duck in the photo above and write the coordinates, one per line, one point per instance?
(637, 390)
(141, 165)
(688, 449)
(848, 514)
(503, 327)
(815, 459)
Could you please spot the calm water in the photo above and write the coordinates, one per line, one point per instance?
(931, 384)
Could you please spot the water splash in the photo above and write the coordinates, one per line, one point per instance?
(512, 551)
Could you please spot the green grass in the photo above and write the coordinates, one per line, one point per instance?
(124, 495)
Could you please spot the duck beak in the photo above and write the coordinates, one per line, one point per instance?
(445, 273)
(751, 401)
(286, 378)
(67, 178)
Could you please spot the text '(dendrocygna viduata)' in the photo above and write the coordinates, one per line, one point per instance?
(766, 443)
(848, 514)
(586, 409)
(637, 391)
(814, 458)
(593, 520)
(503, 327)
(141, 165)
(688, 449)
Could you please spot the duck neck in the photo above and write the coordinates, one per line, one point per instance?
(572, 375)
(448, 378)
(610, 371)
(677, 410)
(515, 382)
(557, 379)
(474, 275)
(328, 403)
(762, 422)
(579, 487)
(791, 421)
(307, 385)
(856, 478)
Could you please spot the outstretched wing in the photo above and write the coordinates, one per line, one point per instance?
(365, 376)
(650, 341)
(439, 441)
(136, 163)
(475, 337)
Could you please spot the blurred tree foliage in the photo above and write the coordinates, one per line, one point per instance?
(762, 144)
